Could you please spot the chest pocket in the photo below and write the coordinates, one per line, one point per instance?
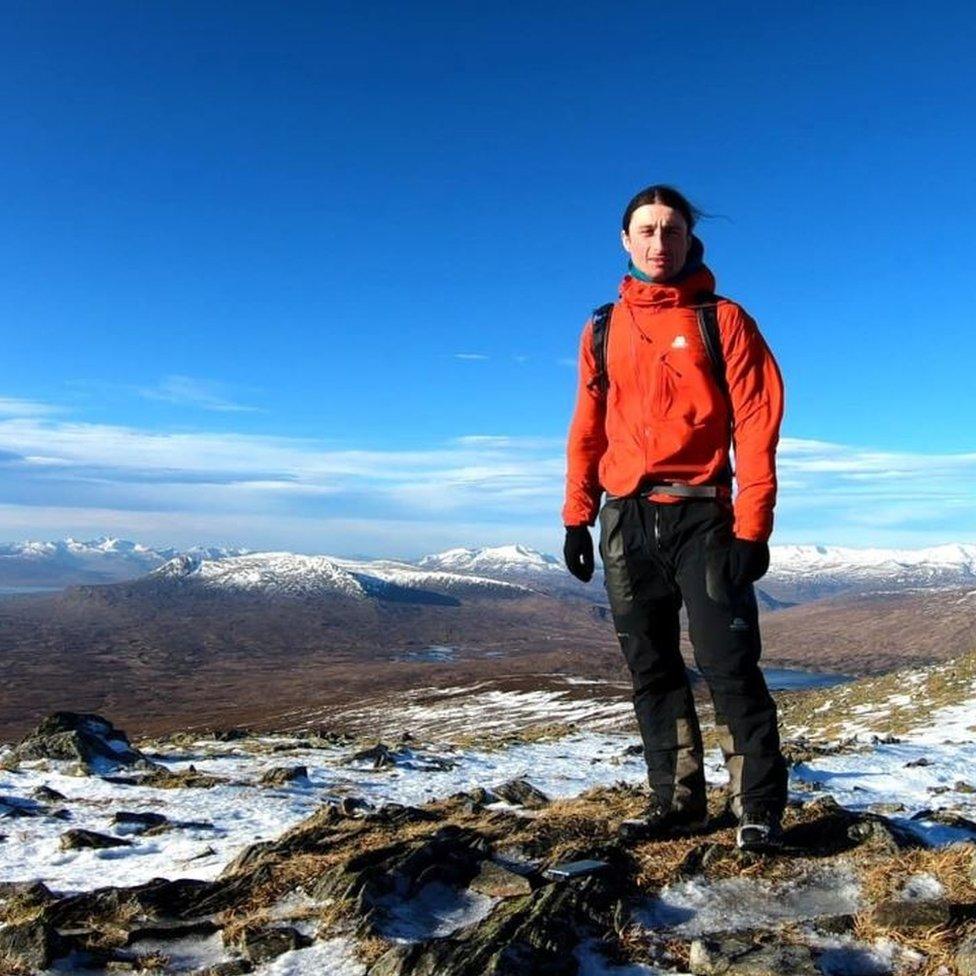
(684, 387)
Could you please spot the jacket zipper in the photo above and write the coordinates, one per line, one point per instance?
(657, 525)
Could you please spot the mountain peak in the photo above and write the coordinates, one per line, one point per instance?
(513, 557)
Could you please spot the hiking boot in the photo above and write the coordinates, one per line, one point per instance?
(659, 822)
(759, 830)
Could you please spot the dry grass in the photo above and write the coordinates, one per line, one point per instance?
(164, 779)
(369, 949)
(152, 962)
(883, 878)
(236, 922)
(11, 966)
(498, 741)
(951, 866)
(16, 912)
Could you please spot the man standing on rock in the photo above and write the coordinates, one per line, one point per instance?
(671, 377)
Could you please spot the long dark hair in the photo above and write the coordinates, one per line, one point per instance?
(670, 197)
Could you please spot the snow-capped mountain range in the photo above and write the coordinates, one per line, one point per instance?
(811, 572)
(292, 575)
(494, 560)
(797, 572)
(103, 560)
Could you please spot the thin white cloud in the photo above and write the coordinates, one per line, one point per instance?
(191, 392)
(833, 493)
(471, 356)
(15, 407)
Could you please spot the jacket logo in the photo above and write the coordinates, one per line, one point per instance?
(679, 342)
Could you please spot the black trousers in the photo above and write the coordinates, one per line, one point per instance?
(656, 555)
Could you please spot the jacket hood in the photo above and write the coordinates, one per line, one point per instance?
(691, 281)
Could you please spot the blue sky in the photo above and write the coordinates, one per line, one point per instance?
(312, 276)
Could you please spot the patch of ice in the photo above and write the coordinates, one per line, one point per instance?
(436, 910)
(921, 887)
(335, 957)
(696, 907)
(843, 955)
(184, 954)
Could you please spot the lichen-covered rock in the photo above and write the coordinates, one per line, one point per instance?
(22, 897)
(911, 915)
(33, 945)
(530, 934)
(160, 898)
(451, 855)
(740, 956)
(496, 881)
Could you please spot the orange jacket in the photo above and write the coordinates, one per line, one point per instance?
(664, 416)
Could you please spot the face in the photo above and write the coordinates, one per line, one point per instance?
(657, 241)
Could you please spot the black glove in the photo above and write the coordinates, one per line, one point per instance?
(578, 552)
(748, 561)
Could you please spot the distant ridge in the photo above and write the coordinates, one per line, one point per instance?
(798, 573)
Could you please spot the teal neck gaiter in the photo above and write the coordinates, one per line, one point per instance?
(636, 272)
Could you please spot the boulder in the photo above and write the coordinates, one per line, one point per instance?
(78, 839)
(740, 956)
(379, 756)
(139, 820)
(158, 899)
(265, 943)
(451, 855)
(283, 775)
(33, 945)
(15, 806)
(497, 881)
(828, 828)
(911, 915)
(231, 967)
(89, 741)
(520, 792)
(531, 934)
(165, 779)
(44, 794)
(949, 818)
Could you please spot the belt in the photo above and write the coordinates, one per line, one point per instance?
(687, 491)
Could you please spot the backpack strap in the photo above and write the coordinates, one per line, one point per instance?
(707, 313)
(601, 337)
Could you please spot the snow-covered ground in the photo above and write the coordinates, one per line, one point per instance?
(241, 812)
